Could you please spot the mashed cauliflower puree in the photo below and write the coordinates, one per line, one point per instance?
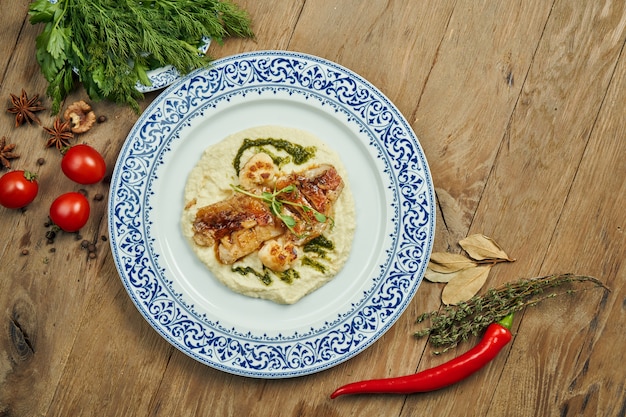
(211, 180)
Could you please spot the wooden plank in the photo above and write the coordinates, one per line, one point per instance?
(391, 44)
(13, 20)
(549, 130)
(117, 360)
(473, 85)
(460, 117)
(579, 335)
(544, 143)
(32, 300)
(273, 25)
(44, 295)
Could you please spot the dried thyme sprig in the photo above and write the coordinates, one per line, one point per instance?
(454, 324)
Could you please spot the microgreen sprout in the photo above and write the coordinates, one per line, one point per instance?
(276, 205)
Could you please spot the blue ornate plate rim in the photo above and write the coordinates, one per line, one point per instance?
(147, 280)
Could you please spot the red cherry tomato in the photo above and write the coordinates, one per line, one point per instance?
(83, 164)
(70, 211)
(18, 189)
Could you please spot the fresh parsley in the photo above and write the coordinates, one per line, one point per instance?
(112, 44)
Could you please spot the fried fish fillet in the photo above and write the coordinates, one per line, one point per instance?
(243, 224)
(237, 226)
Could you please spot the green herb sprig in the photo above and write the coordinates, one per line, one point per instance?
(276, 205)
(454, 324)
(113, 43)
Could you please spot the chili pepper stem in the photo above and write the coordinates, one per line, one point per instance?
(507, 321)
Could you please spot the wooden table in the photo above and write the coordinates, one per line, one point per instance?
(520, 109)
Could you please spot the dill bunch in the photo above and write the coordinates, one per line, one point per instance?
(453, 324)
(112, 44)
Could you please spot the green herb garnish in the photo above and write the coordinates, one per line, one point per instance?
(113, 43)
(276, 205)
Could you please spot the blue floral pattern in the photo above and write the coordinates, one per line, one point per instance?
(407, 248)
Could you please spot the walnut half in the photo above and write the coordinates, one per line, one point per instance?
(80, 116)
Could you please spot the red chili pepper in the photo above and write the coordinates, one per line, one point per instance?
(495, 338)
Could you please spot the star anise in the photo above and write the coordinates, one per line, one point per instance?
(24, 108)
(6, 152)
(60, 134)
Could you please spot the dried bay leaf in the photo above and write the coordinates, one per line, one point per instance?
(465, 284)
(446, 263)
(481, 247)
(434, 276)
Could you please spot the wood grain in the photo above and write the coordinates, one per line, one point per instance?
(519, 107)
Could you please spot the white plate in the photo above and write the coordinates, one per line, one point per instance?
(389, 178)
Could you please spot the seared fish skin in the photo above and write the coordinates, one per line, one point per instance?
(237, 226)
(316, 188)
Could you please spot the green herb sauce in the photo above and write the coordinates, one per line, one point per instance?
(264, 276)
(278, 160)
(320, 245)
(299, 153)
(288, 276)
(313, 264)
